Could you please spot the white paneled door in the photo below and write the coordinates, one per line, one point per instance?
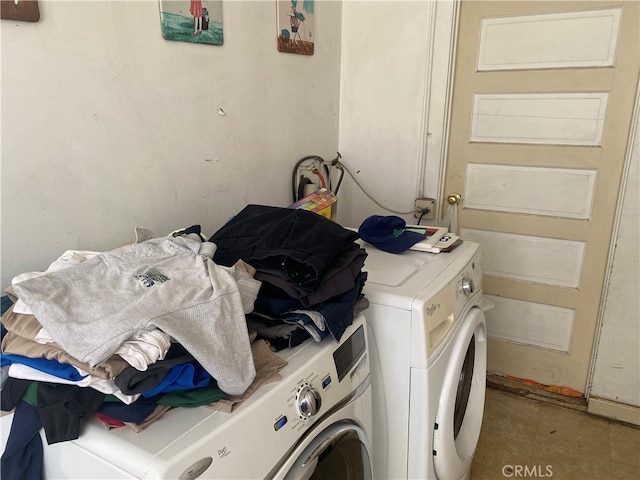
(542, 105)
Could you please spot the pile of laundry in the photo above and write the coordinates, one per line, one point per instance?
(171, 321)
(310, 268)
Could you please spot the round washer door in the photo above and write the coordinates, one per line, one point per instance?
(461, 405)
(339, 451)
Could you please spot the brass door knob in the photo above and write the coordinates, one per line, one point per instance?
(453, 198)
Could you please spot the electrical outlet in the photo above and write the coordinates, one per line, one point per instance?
(425, 208)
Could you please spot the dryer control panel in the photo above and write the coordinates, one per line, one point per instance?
(438, 308)
(468, 283)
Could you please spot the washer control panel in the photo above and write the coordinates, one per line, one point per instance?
(307, 401)
(323, 382)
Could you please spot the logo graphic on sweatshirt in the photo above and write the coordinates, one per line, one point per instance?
(151, 277)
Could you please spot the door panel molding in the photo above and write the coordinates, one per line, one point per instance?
(530, 323)
(508, 188)
(553, 40)
(550, 261)
(543, 118)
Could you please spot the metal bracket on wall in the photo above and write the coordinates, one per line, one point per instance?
(424, 208)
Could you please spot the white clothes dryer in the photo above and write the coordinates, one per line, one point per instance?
(316, 421)
(428, 361)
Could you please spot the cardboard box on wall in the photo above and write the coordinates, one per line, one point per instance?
(323, 202)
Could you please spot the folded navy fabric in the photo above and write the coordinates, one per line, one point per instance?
(337, 313)
(23, 455)
(297, 246)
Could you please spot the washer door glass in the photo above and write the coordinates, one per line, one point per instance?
(338, 452)
(464, 387)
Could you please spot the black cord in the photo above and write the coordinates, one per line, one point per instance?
(303, 181)
(422, 214)
(339, 167)
(336, 163)
(327, 175)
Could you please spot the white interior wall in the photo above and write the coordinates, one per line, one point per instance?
(382, 105)
(106, 125)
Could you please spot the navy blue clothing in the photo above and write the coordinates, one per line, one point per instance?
(338, 278)
(61, 407)
(23, 455)
(297, 246)
(338, 311)
(273, 301)
(304, 261)
(135, 412)
(5, 303)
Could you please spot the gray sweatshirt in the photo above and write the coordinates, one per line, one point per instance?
(91, 308)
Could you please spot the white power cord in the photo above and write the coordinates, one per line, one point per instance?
(369, 196)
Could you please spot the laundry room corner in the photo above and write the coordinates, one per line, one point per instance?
(108, 126)
(291, 239)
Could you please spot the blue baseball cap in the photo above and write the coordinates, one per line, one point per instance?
(388, 233)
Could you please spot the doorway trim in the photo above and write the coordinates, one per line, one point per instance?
(441, 54)
(610, 406)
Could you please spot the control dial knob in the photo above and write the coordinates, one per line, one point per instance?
(308, 400)
(467, 286)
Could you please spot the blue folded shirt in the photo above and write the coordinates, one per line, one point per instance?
(183, 376)
(52, 367)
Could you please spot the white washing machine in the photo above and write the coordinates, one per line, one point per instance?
(315, 421)
(428, 361)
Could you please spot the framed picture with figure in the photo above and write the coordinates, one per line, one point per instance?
(295, 24)
(193, 21)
